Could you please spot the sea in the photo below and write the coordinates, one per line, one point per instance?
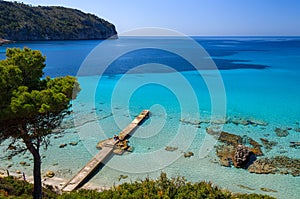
(188, 84)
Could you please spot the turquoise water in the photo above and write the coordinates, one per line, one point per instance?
(261, 79)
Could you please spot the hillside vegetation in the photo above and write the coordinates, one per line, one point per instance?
(21, 22)
(162, 187)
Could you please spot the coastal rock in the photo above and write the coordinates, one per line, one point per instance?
(262, 167)
(230, 139)
(281, 132)
(278, 164)
(102, 143)
(50, 174)
(118, 151)
(225, 154)
(188, 154)
(256, 147)
(241, 156)
(233, 150)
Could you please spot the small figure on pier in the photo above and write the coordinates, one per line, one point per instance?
(116, 138)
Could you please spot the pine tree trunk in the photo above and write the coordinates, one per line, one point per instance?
(37, 191)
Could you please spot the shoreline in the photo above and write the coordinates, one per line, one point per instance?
(55, 182)
(4, 41)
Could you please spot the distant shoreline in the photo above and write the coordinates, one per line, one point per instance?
(4, 41)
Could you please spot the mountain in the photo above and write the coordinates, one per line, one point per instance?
(21, 22)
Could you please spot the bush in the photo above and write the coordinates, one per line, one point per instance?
(162, 188)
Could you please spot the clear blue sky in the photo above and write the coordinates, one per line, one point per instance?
(195, 17)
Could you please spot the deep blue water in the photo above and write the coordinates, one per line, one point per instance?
(65, 57)
(258, 78)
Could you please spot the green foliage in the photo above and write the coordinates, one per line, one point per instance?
(162, 188)
(23, 22)
(12, 188)
(29, 101)
(31, 107)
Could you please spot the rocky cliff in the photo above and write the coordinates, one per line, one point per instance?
(20, 22)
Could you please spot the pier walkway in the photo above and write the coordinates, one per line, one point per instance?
(79, 179)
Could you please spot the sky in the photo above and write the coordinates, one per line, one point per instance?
(195, 17)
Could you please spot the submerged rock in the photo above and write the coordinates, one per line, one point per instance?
(278, 164)
(184, 121)
(170, 148)
(268, 144)
(256, 147)
(188, 154)
(245, 122)
(213, 130)
(294, 144)
(230, 139)
(122, 177)
(62, 145)
(297, 129)
(118, 151)
(73, 143)
(268, 190)
(262, 167)
(281, 132)
(23, 163)
(245, 187)
(225, 154)
(102, 143)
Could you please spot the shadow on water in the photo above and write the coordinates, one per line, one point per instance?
(96, 171)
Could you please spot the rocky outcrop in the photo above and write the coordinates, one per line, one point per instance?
(20, 22)
(241, 156)
(278, 164)
(232, 151)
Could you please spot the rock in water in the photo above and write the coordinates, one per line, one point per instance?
(188, 154)
(170, 148)
(241, 156)
(281, 132)
(262, 166)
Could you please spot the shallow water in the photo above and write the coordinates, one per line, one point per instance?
(261, 82)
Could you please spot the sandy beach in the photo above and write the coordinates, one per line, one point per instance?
(55, 182)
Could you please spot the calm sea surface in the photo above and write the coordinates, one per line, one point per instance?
(258, 79)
